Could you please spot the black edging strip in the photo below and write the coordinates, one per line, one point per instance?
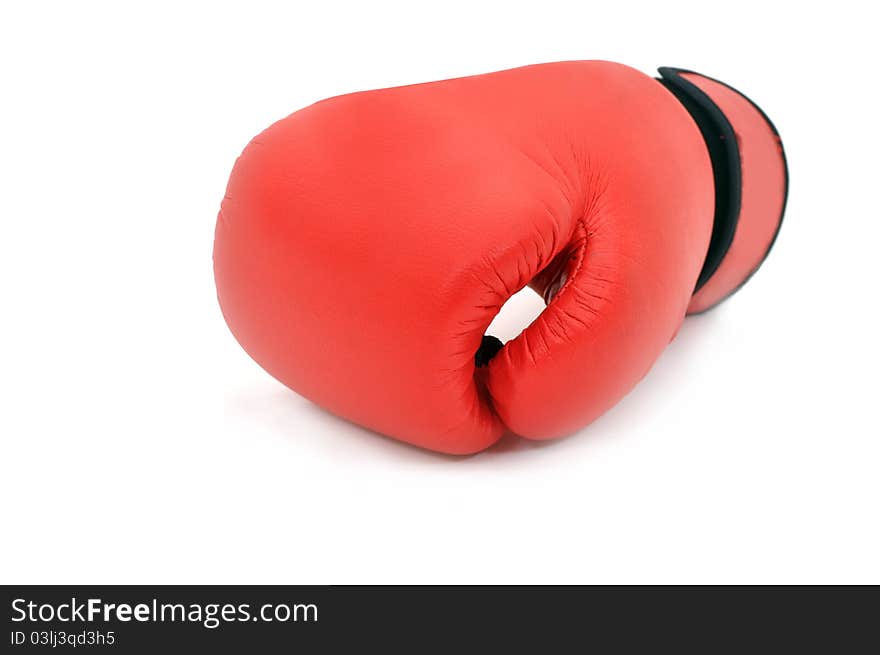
(489, 347)
(726, 166)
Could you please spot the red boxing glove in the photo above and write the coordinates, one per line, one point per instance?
(366, 242)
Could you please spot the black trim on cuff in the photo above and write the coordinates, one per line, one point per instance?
(726, 166)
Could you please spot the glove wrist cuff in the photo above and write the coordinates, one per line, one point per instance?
(750, 176)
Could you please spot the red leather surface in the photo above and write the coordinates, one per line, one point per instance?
(763, 192)
(366, 242)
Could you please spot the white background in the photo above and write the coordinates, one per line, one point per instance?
(140, 444)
